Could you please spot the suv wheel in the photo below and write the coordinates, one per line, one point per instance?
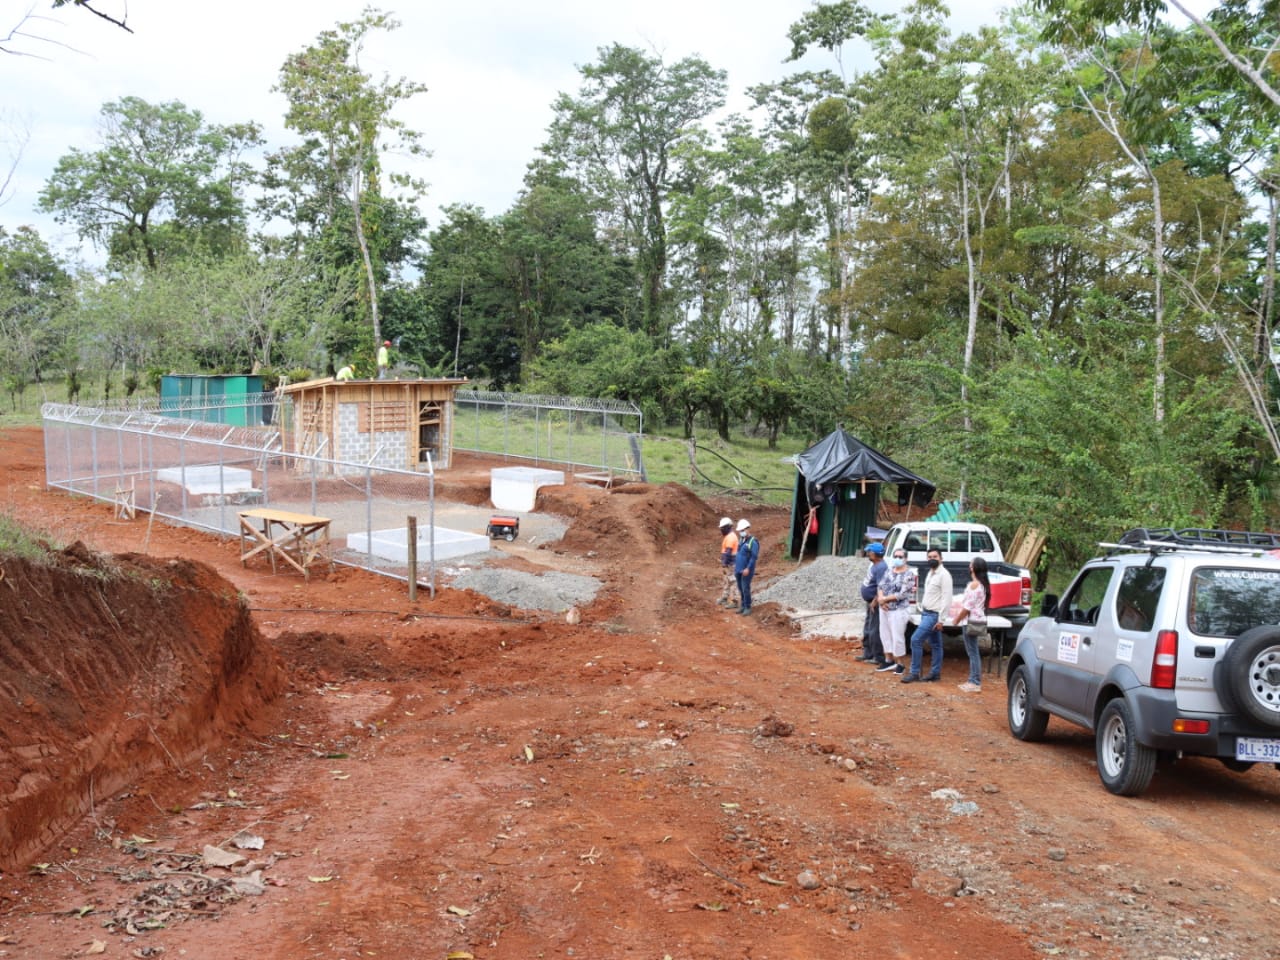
(1251, 675)
(1124, 764)
(1026, 721)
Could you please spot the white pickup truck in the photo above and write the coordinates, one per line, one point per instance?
(960, 542)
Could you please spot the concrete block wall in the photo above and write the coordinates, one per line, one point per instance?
(359, 447)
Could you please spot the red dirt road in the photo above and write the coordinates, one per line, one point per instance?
(452, 778)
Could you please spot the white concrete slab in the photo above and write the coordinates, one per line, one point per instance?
(393, 543)
(516, 488)
(209, 478)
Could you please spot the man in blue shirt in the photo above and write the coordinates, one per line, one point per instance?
(872, 648)
(744, 565)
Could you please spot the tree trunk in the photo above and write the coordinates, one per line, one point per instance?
(356, 183)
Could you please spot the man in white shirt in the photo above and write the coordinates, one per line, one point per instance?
(934, 603)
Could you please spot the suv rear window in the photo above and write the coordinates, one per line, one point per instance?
(1227, 601)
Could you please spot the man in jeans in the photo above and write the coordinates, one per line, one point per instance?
(872, 648)
(934, 603)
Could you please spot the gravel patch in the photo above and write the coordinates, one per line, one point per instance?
(822, 596)
(556, 592)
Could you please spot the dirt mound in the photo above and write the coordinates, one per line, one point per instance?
(113, 668)
(615, 523)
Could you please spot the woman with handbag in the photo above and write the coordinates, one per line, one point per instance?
(973, 614)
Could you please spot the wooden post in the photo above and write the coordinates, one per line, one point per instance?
(413, 559)
(150, 520)
(804, 537)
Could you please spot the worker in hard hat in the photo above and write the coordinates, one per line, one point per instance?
(744, 566)
(346, 372)
(384, 359)
(728, 554)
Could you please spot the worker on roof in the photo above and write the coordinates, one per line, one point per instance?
(384, 359)
(347, 372)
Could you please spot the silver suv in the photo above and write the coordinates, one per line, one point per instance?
(1169, 644)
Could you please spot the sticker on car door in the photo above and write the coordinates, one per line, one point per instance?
(1068, 648)
(1124, 650)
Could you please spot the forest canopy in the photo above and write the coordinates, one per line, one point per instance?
(1035, 261)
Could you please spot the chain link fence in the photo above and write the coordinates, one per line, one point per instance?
(600, 435)
(203, 463)
(205, 475)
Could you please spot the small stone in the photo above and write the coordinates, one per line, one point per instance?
(1057, 854)
(850, 763)
(990, 788)
(808, 880)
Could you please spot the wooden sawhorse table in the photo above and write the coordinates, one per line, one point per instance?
(299, 539)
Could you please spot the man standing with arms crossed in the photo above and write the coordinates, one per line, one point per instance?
(934, 603)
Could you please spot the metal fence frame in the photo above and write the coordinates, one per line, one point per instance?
(543, 429)
(106, 454)
(149, 449)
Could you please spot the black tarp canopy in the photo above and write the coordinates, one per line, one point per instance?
(837, 489)
(842, 458)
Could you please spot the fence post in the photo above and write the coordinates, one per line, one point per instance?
(431, 513)
(368, 509)
(413, 559)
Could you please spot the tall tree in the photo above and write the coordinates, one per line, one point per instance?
(162, 184)
(346, 118)
(34, 288)
(837, 156)
(620, 134)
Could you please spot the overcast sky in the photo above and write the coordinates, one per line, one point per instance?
(493, 68)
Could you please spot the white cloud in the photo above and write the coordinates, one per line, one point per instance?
(493, 68)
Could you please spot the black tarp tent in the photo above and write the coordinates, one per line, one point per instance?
(838, 485)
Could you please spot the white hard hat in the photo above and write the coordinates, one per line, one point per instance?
(725, 522)
(743, 524)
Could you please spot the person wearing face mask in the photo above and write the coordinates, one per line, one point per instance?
(894, 600)
(933, 604)
(744, 564)
(872, 647)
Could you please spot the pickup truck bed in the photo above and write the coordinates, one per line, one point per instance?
(1006, 590)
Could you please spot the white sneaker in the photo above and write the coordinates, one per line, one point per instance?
(968, 687)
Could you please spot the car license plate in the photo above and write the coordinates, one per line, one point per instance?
(1258, 749)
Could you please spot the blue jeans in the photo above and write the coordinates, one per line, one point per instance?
(871, 643)
(971, 639)
(744, 588)
(928, 630)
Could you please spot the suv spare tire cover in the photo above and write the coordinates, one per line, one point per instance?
(1249, 678)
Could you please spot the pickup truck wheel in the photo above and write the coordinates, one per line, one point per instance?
(1026, 721)
(1250, 675)
(1125, 765)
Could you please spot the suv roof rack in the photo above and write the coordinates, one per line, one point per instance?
(1216, 541)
